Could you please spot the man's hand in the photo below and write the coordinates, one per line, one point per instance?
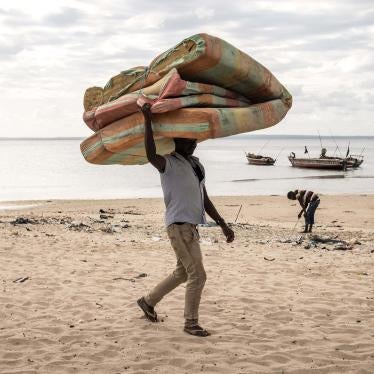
(227, 232)
(301, 213)
(146, 110)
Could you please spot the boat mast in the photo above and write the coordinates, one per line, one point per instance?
(276, 158)
(349, 143)
(336, 144)
(263, 147)
(320, 140)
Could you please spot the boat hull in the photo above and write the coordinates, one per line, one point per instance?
(264, 162)
(353, 162)
(318, 163)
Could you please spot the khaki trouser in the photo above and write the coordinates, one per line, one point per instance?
(185, 242)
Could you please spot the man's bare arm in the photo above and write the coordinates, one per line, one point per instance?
(212, 212)
(156, 160)
(303, 207)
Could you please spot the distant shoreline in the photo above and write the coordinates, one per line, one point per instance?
(240, 136)
(25, 204)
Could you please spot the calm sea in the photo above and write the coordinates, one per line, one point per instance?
(55, 169)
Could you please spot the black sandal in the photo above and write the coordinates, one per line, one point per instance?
(148, 310)
(196, 330)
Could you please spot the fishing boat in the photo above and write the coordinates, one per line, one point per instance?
(354, 161)
(254, 159)
(318, 163)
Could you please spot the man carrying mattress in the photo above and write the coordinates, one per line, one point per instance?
(186, 200)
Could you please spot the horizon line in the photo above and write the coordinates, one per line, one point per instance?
(238, 135)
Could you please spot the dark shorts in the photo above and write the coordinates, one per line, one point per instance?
(309, 217)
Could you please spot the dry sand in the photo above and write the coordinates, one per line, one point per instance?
(273, 305)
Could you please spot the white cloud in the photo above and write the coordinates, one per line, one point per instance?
(204, 13)
(51, 51)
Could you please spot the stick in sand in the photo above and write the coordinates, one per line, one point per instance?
(294, 228)
(238, 213)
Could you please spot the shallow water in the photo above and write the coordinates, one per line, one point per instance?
(55, 169)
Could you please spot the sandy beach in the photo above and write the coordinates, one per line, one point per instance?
(275, 301)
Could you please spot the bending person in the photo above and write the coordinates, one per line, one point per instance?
(309, 202)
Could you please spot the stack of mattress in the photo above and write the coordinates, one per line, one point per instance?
(202, 88)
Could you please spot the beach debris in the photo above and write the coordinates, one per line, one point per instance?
(242, 225)
(109, 211)
(23, 221)
(79, 226)
(156, 238)
(330, 243)
(263, 242)
(342, 247)
(104, 216)
(99, 305)
(142, 275)
(65, 220)
(21, 279)
(269, 259)
(132, 212)
(126, 279)
(133, 279)
(295, 241)
(338, 243)
(285, 241)
(111, 229)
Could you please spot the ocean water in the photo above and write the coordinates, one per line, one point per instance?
(55, 169)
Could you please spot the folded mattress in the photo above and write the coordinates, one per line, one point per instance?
(122, 142)
(202, 88)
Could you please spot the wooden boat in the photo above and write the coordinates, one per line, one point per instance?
(254, 159)
(354, 161)
(318, 163)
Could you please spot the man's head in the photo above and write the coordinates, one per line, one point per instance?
(291, 195)
(185, 146)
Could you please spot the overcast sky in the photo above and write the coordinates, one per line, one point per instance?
(51, 51)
